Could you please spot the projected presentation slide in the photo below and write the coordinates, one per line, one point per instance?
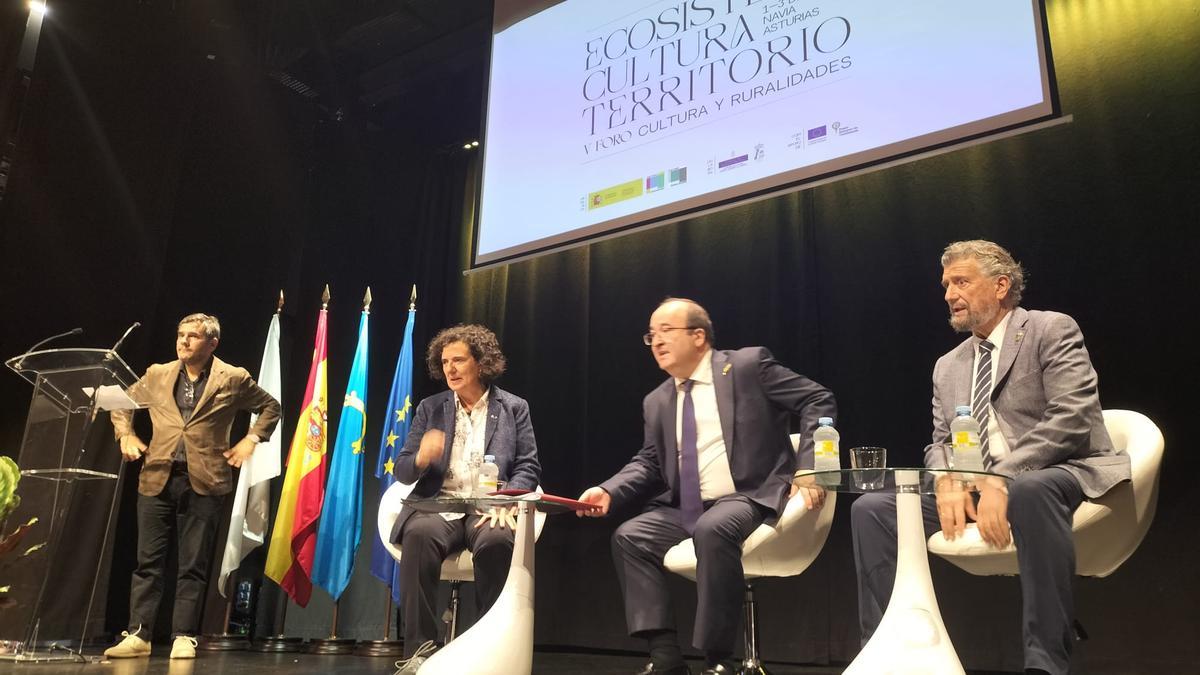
(606, 115)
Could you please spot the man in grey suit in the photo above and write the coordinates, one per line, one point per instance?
(716, 462)
(1034, 391)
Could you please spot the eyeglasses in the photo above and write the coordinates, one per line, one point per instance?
(648, 338)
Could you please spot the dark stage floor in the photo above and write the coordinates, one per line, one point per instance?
(252, 663)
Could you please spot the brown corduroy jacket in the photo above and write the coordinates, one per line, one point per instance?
(230, 389)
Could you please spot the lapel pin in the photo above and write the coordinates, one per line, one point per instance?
(1020, 334)
(728, 367)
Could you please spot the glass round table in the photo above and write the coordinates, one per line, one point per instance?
(501, 641)
(911, 637)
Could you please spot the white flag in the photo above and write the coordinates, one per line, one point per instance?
(252, 497)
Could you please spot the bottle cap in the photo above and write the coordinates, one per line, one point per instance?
(962, 410)
(825, 421)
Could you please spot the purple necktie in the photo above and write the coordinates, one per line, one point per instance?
(690, 505)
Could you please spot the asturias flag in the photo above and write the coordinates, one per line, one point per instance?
(395, 431)
(290, 558)
(341, 517)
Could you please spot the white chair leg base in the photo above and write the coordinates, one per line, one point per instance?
(501, 641)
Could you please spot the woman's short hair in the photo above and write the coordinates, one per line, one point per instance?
(483, 345)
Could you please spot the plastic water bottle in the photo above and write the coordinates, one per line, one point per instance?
(964, 436)
(826, 455)
(489, 475)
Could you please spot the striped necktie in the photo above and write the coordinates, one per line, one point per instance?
(981, 399)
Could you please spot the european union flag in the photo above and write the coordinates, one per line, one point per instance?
(395, 431)
(341, 516)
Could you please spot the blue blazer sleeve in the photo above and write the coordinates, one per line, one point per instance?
(406, 467)
(524, 471)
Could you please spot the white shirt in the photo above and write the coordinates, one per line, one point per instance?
(715, 477)
(466, 452)
(997, 444)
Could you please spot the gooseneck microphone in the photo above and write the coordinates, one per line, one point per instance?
(127, 332)
(73, 331)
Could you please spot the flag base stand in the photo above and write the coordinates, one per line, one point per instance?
(225, 642)
(380, 648)
(331, 645)
(278, 644)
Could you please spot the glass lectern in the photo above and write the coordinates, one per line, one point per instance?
(68, 499)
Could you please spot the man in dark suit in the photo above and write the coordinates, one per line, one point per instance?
(716, 462)
(1030, 382)
(185, 475)
(450, 435)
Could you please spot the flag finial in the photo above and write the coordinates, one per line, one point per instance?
(279, 304)
(367, 300)
(325, 297)
(412, 299)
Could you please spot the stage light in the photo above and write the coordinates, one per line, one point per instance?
(39, 8)
(467, 146)
(474, 144)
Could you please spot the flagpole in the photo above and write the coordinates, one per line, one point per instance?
(387, 646)
(280, 642)
(226, 641)
(383, 567)
(334, 644)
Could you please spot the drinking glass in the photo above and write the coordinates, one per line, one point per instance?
(871, 462)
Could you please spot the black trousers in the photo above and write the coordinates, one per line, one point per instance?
(1041, 505)
(426, 541)
(194, 519)
(638, 547)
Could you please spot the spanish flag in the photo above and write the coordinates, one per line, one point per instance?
(290, 558)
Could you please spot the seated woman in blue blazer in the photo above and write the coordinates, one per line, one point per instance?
(450, 435)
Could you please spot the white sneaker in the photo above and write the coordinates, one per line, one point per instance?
(132, 646)
(412, 664)
(184, 647)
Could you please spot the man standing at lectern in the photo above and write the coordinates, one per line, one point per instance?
(1029, 381)
(185, 476)
(716, 462)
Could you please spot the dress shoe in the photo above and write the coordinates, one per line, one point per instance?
(649, 669)
(132, 646)
(722, 668)
(184, 647)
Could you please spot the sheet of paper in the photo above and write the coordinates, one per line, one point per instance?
(112, 397)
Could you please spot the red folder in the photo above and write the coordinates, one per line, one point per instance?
(573, 504)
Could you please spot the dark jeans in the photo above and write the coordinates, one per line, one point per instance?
(426, 541)
(1041, 505)
(638, 547)
(194, 518)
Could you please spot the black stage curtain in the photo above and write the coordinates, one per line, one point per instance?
(146, 188)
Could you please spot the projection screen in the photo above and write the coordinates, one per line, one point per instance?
(609, 115)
